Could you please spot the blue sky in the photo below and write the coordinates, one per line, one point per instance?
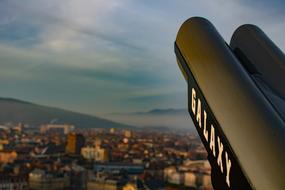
(105, 56)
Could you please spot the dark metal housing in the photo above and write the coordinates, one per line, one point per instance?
(235, 100)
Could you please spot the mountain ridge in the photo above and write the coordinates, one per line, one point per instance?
(15, 111)
(157, 111)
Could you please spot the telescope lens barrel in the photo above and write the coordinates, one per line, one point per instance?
(264, 61)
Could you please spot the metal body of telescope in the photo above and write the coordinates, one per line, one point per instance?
(236, 98)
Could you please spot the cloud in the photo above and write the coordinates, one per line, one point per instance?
(63, 23)
(106, 56)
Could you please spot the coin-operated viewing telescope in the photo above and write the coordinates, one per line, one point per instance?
(236, 98)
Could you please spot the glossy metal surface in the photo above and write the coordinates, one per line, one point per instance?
(253, 128)
(264, 61)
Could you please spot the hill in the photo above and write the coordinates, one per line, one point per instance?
(170, 111)
(15, 111)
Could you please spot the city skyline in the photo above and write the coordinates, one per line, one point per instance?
(101, 57)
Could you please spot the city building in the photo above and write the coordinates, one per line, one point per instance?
(117, 167)
(130, 186)
(74, 143)
(7, 156)
(78, 178)
(106, 184)
(112, 130)
(12, 182)
(3, 143)
(176, 178)
(96, 154)
(206, 181)
(120, 159)
(192, 174)
(101, 155)
(42, 180)
(128, 133)
(88, 152)
(60, 128)
(190, 180)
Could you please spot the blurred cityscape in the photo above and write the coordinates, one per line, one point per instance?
(61, 156)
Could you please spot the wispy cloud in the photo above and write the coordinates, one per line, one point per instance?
(109, 56)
